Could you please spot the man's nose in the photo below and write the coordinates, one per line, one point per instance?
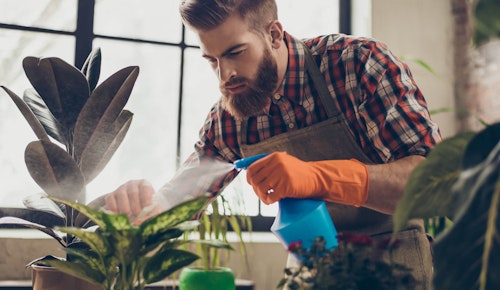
(226, 71)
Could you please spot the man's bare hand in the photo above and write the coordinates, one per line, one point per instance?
(131, 198)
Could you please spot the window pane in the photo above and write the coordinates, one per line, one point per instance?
(153, 19)
(200, 92)
(362, 18)
(149, 149)
(191, 38)
(303, 19)
(15, 133)
(50, 14)
(241, 197)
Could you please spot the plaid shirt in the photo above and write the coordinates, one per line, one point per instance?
(385, 110)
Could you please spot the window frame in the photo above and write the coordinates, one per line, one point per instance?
(84, 37)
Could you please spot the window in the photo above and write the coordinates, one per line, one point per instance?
(171, 97)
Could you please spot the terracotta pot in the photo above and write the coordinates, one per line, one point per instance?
(48, 278)
(196, 278)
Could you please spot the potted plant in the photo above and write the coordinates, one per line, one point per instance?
(459, 180)
(79, 126)
(212, 272)
(124, 256)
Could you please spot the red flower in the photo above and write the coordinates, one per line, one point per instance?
(295, 246)
(355, 239)
(361, 240)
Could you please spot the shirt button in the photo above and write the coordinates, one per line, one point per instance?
(277, 96)
(291, 125)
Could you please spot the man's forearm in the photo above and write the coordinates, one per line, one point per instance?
(388, 181)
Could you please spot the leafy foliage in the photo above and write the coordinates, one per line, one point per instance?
(466, 255)
(79, 126)
(486, 21)
(354, 264)
(214, 226)
(427, 193)
(120, 255)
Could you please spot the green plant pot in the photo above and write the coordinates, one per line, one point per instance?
(196, 278)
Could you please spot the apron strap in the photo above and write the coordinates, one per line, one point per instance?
(320, 84)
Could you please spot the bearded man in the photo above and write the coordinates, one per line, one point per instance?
(341, 117)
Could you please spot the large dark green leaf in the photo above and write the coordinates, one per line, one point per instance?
(151, 242)
(43, 114)
(92, 68)
(174, 216)
(8, 220)
(467, 256)
(63, 87)
(28, 115)
(165, 262)
(428, 193)
(102, 145)
(95, 240)
(54, 170)
(82, 254)
(480, 147)
(103, 107)
(128, 245)
(82, 271)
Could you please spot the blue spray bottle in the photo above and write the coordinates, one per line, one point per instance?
(299, 219)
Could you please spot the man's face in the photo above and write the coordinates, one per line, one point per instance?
(253, 98)
(244, 64)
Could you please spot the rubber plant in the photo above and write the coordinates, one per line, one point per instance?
(79, 125)
(460, 180)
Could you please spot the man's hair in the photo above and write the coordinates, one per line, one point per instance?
(208, 14)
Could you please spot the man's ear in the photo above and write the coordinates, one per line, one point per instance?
(276, 33)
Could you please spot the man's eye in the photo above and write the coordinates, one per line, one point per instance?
(236, 53)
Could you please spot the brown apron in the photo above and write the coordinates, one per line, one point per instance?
(331, 139)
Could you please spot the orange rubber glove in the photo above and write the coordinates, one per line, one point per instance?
(280, 175)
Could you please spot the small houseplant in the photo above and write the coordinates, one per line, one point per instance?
(79, 125)
(212, 271)
(460, 180)
(124, 256)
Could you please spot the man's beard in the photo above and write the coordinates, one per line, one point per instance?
(254, 100)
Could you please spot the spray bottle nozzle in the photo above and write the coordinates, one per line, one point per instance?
(243, 163)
